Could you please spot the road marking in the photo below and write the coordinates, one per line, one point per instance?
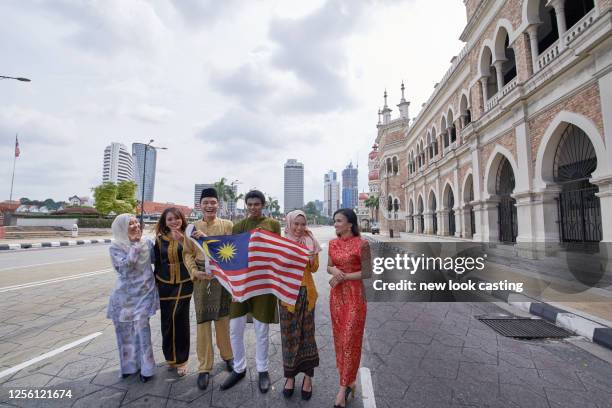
(367, 389)
(55, 280)
(41, 264)
(47, 355)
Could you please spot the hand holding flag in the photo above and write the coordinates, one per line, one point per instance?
(255, 263)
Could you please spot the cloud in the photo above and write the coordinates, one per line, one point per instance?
(197, 13)
(35, 127)
(248, 83)
(312, 48)
(243, 134)
(150, 113)
(109, 26)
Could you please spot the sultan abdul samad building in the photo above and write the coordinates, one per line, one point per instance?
(515, 143)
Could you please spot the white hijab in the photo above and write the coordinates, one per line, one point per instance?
(120, 234)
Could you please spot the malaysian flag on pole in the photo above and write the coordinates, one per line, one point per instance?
(17, 151)
(255, 263)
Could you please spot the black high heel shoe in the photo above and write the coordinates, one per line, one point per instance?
(306, 395)
(347, 394)
(288, 392)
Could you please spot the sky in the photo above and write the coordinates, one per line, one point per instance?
(232, 88)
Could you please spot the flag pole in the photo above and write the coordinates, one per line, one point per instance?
(13, 176)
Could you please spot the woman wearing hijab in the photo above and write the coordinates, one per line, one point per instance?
(175, 288)
(300, 354)
(134, 299)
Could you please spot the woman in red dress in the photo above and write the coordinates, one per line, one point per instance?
(348, 263)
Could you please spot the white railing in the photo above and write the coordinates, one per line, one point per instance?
(492, 102)
(577, 29)
(509, 87)
(548, 55)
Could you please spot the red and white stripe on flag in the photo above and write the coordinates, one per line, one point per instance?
(17, 151)
(276, 266)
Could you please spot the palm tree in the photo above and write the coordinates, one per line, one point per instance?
(223, 193)
(372, 203)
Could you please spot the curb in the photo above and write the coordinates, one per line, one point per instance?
(596, 332)
(54, 244)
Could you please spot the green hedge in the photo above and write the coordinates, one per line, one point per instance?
(87, 222)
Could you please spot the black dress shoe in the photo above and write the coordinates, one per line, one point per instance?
(144, 378)
(229, 365)
(264, 382)
(288, 392)
(203, 379)
(306, 395)
(232, 380)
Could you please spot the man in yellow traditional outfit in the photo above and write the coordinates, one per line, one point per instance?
(212, 301)
(262, 308)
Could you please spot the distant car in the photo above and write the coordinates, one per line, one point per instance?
(375, 228)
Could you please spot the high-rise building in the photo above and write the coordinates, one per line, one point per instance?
(350, 187)
(294, 185)
(138, 155)
(118, 165)
(331, 193)
(319, 205)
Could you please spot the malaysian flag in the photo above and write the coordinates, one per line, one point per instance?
(255, 263)
(17, 151)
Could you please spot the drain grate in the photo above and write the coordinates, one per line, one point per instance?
(524, 328)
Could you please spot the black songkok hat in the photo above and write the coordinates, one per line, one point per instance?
(209, 192)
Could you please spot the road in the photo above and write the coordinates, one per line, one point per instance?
(418, 354)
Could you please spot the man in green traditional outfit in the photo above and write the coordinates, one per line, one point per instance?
(262, 308)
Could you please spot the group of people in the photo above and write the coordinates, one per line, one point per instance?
(165, 273)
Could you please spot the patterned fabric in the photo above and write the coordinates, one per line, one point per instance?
(175, 288)
(134, 296)
(348, 308)
(211, 300)
(300, 353)
(135, 349)
(263, 308)
(308, 282)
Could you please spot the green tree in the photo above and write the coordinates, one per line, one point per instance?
(111, 197)
(311, 209)
(373, 202)
(49, 203)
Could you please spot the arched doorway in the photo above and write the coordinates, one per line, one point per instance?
(433, 205)
(468, 197)
(579, 207)
(410, 216)
(451, 212)
(420, 216)
(507, 217)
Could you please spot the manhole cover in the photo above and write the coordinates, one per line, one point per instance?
(524, 328)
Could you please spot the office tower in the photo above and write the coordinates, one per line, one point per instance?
(349, 187)
(118, 165)
(138, 155)
(294, 185)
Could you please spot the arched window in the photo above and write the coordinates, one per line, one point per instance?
(548, 32)
(575, 10)
(452, 129)
(509, 66)
(389, 166)
(396, 205)
(389, 203)
(465, 110)
(395, 165)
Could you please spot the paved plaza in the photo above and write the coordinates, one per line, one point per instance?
(417, 354)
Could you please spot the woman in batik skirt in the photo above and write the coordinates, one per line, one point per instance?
(297, 322)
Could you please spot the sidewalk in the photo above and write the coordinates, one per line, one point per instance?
(589, 313)
(13, 244)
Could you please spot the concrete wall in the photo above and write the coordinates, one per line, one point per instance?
(45, 222)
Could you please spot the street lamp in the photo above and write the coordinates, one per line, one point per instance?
(16, 78)
(144, 172)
